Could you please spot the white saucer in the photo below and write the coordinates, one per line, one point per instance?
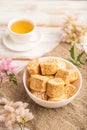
(12, 45)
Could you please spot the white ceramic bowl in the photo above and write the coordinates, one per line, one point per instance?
(49, 104)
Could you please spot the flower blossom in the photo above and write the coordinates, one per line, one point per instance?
(15, 112)
(7, 71)
(74, 30)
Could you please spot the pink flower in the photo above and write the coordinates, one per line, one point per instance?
(9, 108)
(74, 29)
(15, 112)
(7, 70)
(6, 65)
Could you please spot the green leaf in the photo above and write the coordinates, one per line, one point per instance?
(74, 62)
(79, 58)
(15, 82)
(85, 60)
(13, 79)
(72, 52)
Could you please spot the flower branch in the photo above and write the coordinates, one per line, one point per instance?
(7, 71)
(15, 113)
(74, 31)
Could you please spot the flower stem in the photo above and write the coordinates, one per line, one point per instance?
(21, 126)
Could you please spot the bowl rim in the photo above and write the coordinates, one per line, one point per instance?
(57, 102)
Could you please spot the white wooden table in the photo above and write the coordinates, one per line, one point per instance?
(48, 15)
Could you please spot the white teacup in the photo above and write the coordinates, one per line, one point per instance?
(22, 30)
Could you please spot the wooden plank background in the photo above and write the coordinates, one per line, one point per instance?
(43, 12)
(46, 13)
